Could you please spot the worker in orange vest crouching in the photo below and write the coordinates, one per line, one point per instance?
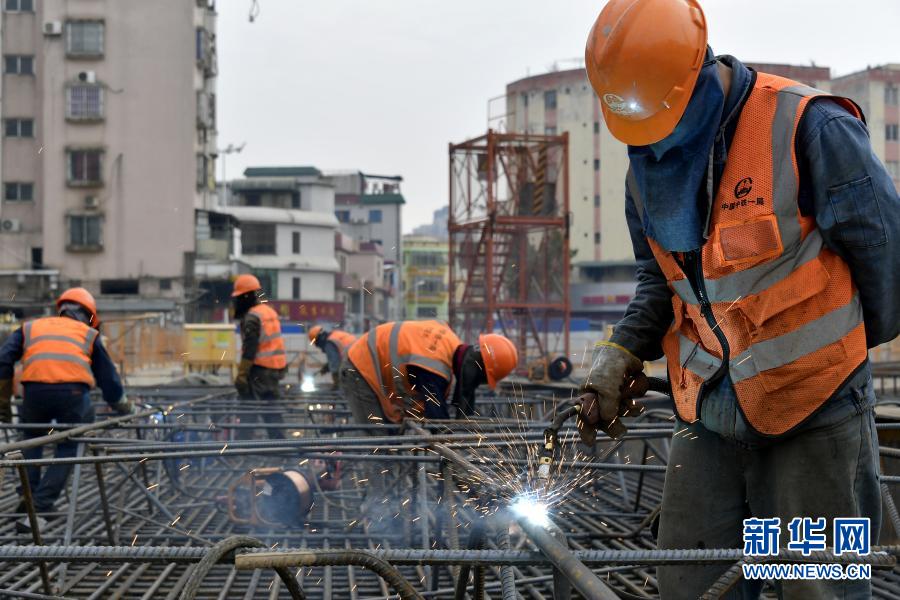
(407, 369)
(62, 359)
(263, 359)
(334, 344)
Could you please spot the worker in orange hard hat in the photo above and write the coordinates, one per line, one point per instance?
(263, 358)
(767, 239)
(63, 358)
(334, 344)
(407, 367)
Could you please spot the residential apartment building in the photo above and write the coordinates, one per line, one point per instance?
(108, 144)
(287, 227)
(370, 209)
(425, 277)
(877, 91)
(362, 286)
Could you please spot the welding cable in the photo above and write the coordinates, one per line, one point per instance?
(219, 551)
(321, 558)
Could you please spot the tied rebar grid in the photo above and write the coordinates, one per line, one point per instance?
(153, 482)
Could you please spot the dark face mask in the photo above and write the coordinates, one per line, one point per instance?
(671, 173)
(242, 304)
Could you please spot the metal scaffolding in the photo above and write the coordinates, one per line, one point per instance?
(509, 241)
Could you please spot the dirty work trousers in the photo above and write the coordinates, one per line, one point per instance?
(713, 483)
(265, 384)
(366, 409)
(68, 404)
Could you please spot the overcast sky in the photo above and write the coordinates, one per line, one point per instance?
(384, 85)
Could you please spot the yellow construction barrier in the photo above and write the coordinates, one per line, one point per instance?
(209, 347)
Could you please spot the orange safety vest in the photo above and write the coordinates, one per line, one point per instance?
(270, 353)
(785, 304)
(57, 350)
(342, 340)
(382, 356)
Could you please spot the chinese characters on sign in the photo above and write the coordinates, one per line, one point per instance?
(308, 311)
(807, 535)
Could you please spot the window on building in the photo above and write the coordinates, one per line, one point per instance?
(202, 45)
(295, 242)
(165, 284)
(37, 258)
(85, 232)
(19, 5)
(893, 168)
(84, 101)
(258, 238)
(549, 130)
(597, 238)
(375, 216)
(295, 288)
(596, 126)
(892, 132)
(85, 167)
(85, 38)
(295, 200)
(525, 99)
(550, 99)
(18, 64)
(596, 164)
(22, 128)
(426, 312)
(342, 215)
(120, 287)
(891, 95)
(597, 200)
(18, 192)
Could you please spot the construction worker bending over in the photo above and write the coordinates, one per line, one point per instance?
(263, 359)
(334, 344)
(767, 239)
(62, 358)
(406, 368)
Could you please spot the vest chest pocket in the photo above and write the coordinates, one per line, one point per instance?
(784, 332)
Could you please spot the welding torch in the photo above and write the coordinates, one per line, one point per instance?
(637, 388)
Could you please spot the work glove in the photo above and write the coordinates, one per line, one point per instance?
(242, 380)
(324, 369)
(124, 406)
(614, 380)
(6, 391)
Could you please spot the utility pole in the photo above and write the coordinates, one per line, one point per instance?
(362, 306)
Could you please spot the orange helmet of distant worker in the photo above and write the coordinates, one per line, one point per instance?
(314, 332)
(499, 355)
(643, 58)
(83, 298)
(245, 284)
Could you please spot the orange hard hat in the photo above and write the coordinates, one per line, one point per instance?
(83, 298)
(314, 332)
(245, 283)
(499, 355)
(643, 58)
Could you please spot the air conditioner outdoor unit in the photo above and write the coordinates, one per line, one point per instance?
(91, 202)
(53, 28)
(10, 225)
(87, 77)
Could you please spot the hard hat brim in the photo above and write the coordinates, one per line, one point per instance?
(654, 128)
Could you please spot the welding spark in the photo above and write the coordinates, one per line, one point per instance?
(309, 383)
(530, 508)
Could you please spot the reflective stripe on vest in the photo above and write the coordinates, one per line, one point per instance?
(784, 302)
(57, 350)
(392, 348)
(270, 352)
